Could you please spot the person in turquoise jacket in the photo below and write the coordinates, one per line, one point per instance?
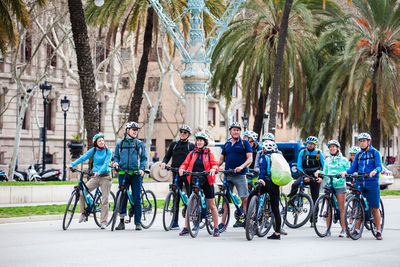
(101, 176)
(336, 163)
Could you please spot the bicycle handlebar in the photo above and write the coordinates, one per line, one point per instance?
(81, 172)
(118, 169)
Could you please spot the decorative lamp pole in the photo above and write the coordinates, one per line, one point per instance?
(65, 107)
(46, 88)
(245, 120)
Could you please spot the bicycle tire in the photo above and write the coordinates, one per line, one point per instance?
(354, 211)
(149, 209)
(70, 210)
(322, 215)
(117, 208)
(251, 219)
(283, 207)
(209, 221)
(298, 209)
(169, 210)
(266, 219)
(382, 212)
(194, 214)
(97, 209)
(222, 204)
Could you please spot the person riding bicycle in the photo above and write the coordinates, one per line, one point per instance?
(201, 159)
(252, 138)
(267, 186)
(178, 151)
(368, 161)
(102, 176)
(336, 163)
(237, 155)
(265, 137)
(353, 151)
(311, 162)
(130, 158)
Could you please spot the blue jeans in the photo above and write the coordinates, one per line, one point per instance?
(135, 182)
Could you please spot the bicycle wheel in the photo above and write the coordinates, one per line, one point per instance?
(283, 207)
(322, 216)
(149, 209)
(251, 218)
(265, 220)
(382, 212)
(194, 214)
(354, 217)
(117, 208)
(209, 221)
(97, 209)
(300, 211)
(169, 210)
(222, 205)
(70, 210)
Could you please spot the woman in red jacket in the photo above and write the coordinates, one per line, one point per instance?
(198, 160)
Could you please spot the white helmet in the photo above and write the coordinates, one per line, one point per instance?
(132, 124)
(268, 136)
(270, 146)
(364, 136)
(354, 150)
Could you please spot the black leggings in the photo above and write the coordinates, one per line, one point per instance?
(274, 195)
(314, 188)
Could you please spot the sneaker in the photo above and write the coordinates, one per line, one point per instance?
(121, 226)
(195, 227)
(283, 231)
(274, 236)
(103, 226)
(216, 232)
(82, 218)
(221, 227)
(184, 232)
(175, 226)
(138, 227)
(378, 236)
(342, 233)
(238, 224)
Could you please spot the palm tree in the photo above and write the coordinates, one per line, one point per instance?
(11, 12)
(250, 46)
(361, 81)
(85, 68)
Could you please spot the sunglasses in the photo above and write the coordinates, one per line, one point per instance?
(184, 132)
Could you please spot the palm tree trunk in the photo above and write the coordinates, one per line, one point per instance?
(137, 98)
(375, 127)
(85, 68)
(343, 139)
(259, 118)
(278, 65)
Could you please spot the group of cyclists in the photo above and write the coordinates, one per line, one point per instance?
(239, 154)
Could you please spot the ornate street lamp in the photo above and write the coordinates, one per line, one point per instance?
(245, 120)
(65, 107)
(46, 88)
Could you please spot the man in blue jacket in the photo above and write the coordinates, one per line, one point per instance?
(130, 158)
(368, 161)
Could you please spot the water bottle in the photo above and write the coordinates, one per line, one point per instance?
(184, 197)
(236, 199)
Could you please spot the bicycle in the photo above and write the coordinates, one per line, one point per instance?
(92, 202)
(324, 207)
(300, 206)
(259, 217)
(147, 201)
(197, 207)
(358, 212)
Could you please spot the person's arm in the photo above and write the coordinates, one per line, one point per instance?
(322, 159)
(263, 168)
(143, 157)
(221, 160)
(116, 154)
(184, 166)
(83, 158)
(249, 155)
(378, 162)
(168, 155)
(325, 170)
(257, 162)
(106, 163)
(300, 161)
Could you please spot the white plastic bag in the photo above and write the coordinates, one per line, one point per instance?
(280, 170)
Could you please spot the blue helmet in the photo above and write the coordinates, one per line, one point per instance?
(97, 136)
(333, 142)
(246, 133)
(268, 136)
(312, 140)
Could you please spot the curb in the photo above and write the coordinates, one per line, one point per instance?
(31, 218)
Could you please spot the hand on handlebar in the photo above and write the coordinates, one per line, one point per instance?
(306, 179)
(115, 165)
(261, 181)
(372, 174)
(95, 174)
(162, 166)
(212, 172)
(181, 172)
(343, 174)
(141, 173)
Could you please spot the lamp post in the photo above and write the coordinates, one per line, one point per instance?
(46, 88)
(245, 120)
(65, 107)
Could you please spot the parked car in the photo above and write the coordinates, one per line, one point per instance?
(385, 178)
(290, 151)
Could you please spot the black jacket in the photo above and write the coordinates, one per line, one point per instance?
(178, 151)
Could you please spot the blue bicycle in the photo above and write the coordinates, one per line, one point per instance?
(92, 202)
(260, 218)
(358, 212)
(148, 202)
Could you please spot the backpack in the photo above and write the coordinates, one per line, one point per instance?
(137, 148)
(359, 158)
(176, 143)
(241, 140)
(317, 157)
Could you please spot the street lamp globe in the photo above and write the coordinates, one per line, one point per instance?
(46, 88)
(245, 120)
(65, 104)
(99, 3)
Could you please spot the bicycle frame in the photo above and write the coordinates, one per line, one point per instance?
(331, 193)
(356, 190)
(226, 190)
(129, 193)
(88, 197)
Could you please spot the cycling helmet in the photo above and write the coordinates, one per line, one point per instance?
(333, 142)
(253, 135)
(354, 150)
(185, 127)
(131, 124)
(97, 136)
(364, 136)
(235, 124)
(246, 133)
(268, 136)
(312, 140)
(201, 135)
(270, 146)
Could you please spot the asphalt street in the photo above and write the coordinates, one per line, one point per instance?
(46, 244)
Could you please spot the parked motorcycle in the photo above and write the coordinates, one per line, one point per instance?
(30, 175)
(49, 174)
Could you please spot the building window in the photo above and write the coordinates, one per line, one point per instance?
(125, 83)
(222, 123)
(26, 120)
(50, 51)
(235, 116)
(158, 114)
(279, 120)
(101, 54)
(153, 146)
(26, 48)
(125, 53)
(153, 83)
(167, 144)
(50, 114)
(234, 90)
(153, 54)
(211, 116)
